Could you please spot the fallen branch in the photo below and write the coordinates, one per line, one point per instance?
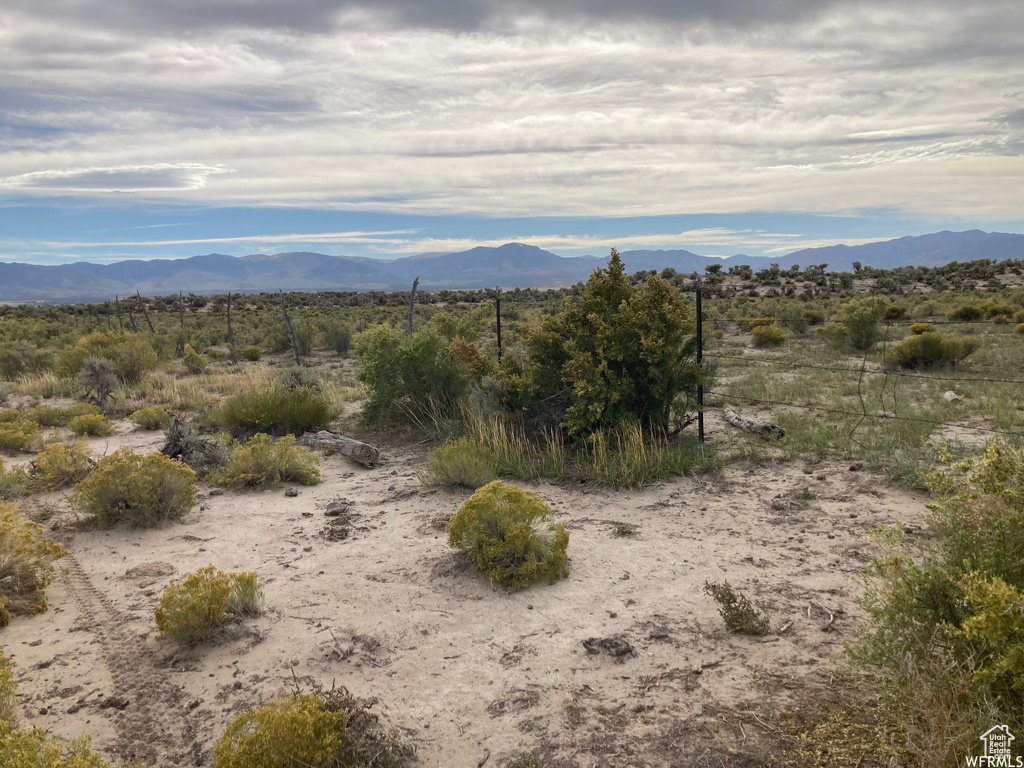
(331, 443)
(748, 425)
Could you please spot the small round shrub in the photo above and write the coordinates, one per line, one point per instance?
(814, 316)
(760, 322)
(295, 731)
(262, 463)
(26, 564)
(966, 313)
(1020, 328)
(1019, 317)
(460, 462)
(895, 312)
(768, 336)
(511, 535)
(196, 607)
(46, 416)
(142, 491)
(18, 433)
(59, 465)
(919, 328)
(97, 426)
(252, 353)
(275, 411)
(931, 350)
(193, 362)
(295, 376)
(152, 418)
(36, 748)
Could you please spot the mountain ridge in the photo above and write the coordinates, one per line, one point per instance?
(508, 265)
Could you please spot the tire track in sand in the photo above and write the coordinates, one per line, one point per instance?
(154, 725)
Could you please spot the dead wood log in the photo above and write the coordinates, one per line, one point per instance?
(748, 425)
(331, 443)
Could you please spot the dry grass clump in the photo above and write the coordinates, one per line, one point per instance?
(198, 606)
(460, 462)
(142, 491)
(262, 463)
(151, 418)
(278, 410)
(26, 564)
(739, 613)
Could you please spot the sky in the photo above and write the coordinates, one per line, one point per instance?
(141, 129)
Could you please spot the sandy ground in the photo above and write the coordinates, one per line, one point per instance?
(470, 674)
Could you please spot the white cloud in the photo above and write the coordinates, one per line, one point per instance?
(863, 107)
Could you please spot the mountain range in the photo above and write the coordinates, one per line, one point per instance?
(509, 265)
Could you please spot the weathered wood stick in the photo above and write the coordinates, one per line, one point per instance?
(331, 443)
(748, 425)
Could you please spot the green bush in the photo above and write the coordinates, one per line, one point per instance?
(193, 362)
(195, 608)
(99, 426)
(35, 748)
(511, 535)
(966, 313)
(262, 463)
(277, 411)
(919, 328)
(151, 418)
(142, 491)
(1020, 328)
(295, 731)
(760, 322)
(18, 433)
(409, 378)
(131, 355)
(768, 336)
(46, 416)
(337, 336)
(931, 350)
(895, 312)
(59, 465)
(26, 564)
(814, 316)
(616, 352)
(252, 353)
(460, 462)
(860, 321)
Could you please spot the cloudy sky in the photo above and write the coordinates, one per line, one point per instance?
(133, 128)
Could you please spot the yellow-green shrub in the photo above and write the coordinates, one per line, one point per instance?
(196, 607)
(193, 362)
(131, 355)
(46, 416)
(760, 322)
(261, 463)
(295, 731)
(919, 328)
(8, 694)
(26, 564)
(966, 313)
(14, 482)
(280, 410)
(460, 462)
(91, 424)
(511, 535)
(252, 353)
(151, 418)
(814, 316)
(142, 491)
(59, 465)
(930, 350)
(18, 433)
(35, 748)
(768, 336)
(1020, 328)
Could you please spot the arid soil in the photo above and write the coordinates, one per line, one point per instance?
(470, 674)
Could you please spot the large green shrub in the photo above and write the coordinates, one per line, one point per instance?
(193, 362)
(26, 564)
(411, 377)
(131, 354)
(142, 491)
(768, 336)
(931, 350)
(966, 313)
(195, 608)
(280, 410)
(511, 535)
(18, 433)
(616, 352)
(252, 353)
(460, 462)
(151, 418)
(262, 463)
(860, 321)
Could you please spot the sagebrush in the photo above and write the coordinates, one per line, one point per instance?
(195, 608)
(26, 564)
(262, 463)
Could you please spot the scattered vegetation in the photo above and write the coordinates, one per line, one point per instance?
(739, 613)
(140, 491)
(26, 564)
(14, 482)
(511, 535)
(262, 463)
(197, 607)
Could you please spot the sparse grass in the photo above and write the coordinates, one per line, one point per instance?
(805, 493)
(623, 530)
(627, 458)
(14, 482)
